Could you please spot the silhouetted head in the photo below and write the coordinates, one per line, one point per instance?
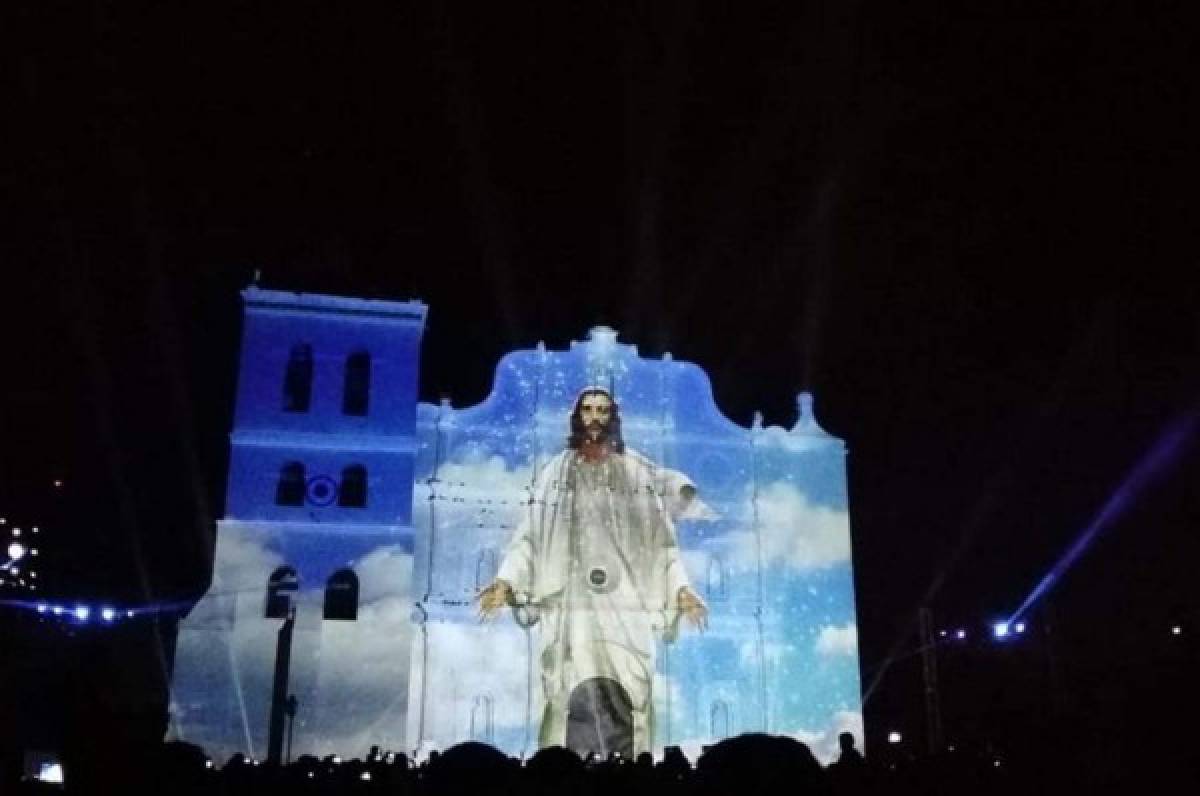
(846, 741)
(596, 418)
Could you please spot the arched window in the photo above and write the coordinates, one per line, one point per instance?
(481, 718)
(716, 588)
(341, 595)
(353, 491)
(297, 381)
(290, 489)
(485, 568)
(281, 590)
(720, 719)
(356, 385)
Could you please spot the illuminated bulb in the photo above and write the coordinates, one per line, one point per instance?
(129, 613)
(365, 776)
(42, 608)
(1000, 629)
(895, 737)
(1019, 627)
(1176, 630)
(82, 612)
(58, 610)
(16, 531)
(108, 614)
(960, 634)
(16, 550)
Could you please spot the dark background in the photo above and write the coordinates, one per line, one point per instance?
(969, 229)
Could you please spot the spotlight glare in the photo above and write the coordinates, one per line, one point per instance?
(365, 776)
(960, 634)
(58, 610)
(129, 613)
(16, 550)
(1176, 630)
(1000, 629)
(82, 612)
(108, 614)
(42, 608)
(894, 737)
(1019, 627)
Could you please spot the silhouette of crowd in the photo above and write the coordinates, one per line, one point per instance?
(747, 765)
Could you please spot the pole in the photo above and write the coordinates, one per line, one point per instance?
(279, 687)
(933, 702)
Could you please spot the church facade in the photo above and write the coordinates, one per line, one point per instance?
(360, 524)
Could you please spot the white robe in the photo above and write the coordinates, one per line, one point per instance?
(596, 555)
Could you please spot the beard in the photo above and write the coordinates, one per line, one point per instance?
(596, 432)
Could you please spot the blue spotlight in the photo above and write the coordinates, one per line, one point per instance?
(57, 610)
(1161, 455)
(1000, 630)
(108, 614)
(82, 612)
(42, 608)
(1019, 627)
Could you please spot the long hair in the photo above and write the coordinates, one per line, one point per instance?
(616, 443)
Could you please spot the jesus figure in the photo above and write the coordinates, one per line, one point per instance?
(596, 561)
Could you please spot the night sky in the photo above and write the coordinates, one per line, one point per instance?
(969, 229)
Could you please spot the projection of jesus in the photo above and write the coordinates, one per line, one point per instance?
(596, 564)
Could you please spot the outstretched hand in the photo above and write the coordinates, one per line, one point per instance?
(492, 598)
(692, 607)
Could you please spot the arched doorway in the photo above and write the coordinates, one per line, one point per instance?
(600, 718)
